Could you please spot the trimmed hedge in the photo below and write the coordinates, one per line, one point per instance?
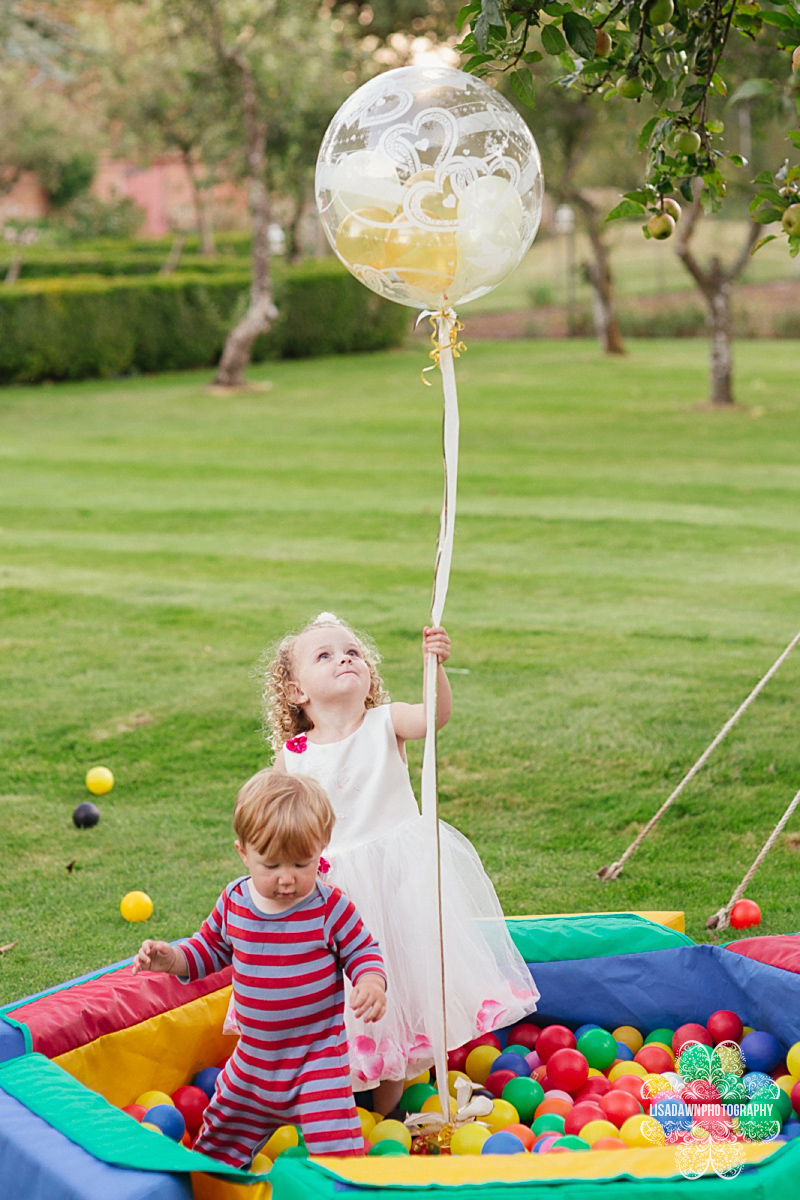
(86, 327)
(69, 263)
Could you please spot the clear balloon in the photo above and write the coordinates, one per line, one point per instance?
(430, 186)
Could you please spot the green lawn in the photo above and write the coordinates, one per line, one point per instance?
(626, 567)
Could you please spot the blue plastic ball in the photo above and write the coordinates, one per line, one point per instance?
(166, 1118)
(503, 1143)
(206, 1080)
(754, 1081)
(511, 1062)
(672, 1115)
(761, 1051)
(624, 1052)
(582, 1029)
(791, 1130)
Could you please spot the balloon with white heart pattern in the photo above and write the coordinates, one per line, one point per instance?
(429, 185)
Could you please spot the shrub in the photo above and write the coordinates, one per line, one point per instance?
(38, 264)
(666, 322)
(89, 326)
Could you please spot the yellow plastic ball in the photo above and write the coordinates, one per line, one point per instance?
(664, 1046)
(640, 1132)
(629, 1037)
(434, 1105)
(155, 1129)
(657, 1083)
(594, 1130)
(502, 1114)
(390, 1131)
(793, 1060)
(469, 1139)
(151, 1099)
(747, 1029)
(260, 1165)
(367, 1120)
(136, 906)
(453, 1078)
(479, 1063)
(786, 1083)
(593, 1072)
(99, 780)
(626, 1068)
(284, 1137)
(425, 1077)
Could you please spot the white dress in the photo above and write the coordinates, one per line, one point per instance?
(374, 855)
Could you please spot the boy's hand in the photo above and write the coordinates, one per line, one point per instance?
(159, 956)
(368, 999)
(435, 641)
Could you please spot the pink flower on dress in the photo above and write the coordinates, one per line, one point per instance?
(324, 866)
(367, 1062)
(490, 1016)
(297, 745)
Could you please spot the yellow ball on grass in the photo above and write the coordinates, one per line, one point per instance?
(99, 780)
(136, 906)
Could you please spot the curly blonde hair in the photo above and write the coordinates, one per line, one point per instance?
(284, 720)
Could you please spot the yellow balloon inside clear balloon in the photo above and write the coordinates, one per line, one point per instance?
(429, 186)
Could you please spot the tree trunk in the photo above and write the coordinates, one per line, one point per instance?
(718, 318)
(599, 275)
(261, 311)
(202, 208)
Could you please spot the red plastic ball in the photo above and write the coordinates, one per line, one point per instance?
(553, 1038)
(191, 1104)
(724, 1026)
(690, 1033)
(594, 1088)
(485, 1039)
(780, 1070)
(222, 1062)
(654, 1059)
(609, 1143)
(136, 1111)
(795, 1098)
(497, 1081)
(632, 1084)
(618, 1106)
(568, 1070)
(525, 1034)
(744, 914)
(581, 1115)
(540, 1075)
(457, 1059)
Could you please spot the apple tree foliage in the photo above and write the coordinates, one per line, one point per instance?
(670, 53)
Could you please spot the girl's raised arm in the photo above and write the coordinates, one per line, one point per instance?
(409, 719)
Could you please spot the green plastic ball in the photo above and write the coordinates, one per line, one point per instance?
(570, 1142)
(660, 1035)
(381, 1149)
(598, 1048)
(548, 1123)
(526, 1095)
(733, 1090)
(522, 1051)
(415, 1096)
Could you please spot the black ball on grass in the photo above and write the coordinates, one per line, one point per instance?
(86, 815)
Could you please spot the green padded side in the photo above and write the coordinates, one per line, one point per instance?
(600, 935)
(104, 1131)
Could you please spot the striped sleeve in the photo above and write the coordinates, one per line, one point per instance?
(209, 950)
(352, 943)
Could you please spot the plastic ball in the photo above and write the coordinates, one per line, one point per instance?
(641, 1131)
(594, 1088)
(754, 1081)
(619, 1070)
(388, 1148)
(733, 1090)
(284, 1138)
(523, 1132)
(560, 1094)
(581, 1115)
(432, 1105)
(570, 1142)
(525, 1095)
(367, 1120)
(484, 1039)
(730, 1056)
(150, 1099)
(522, 1051)
(671, 1113)
(558, 1106)
(673, 1079)
(168, 1119)
(744, 914)
(598, 1048)
(152, 1128)
(660, 1035)
(629, 1037)
(618, 1106)
(457, 1059)
(654, 1058)
(85, 815)
(795, 1098)
(624, 1053)
(469, 1139)
(545, 1143)
(593, 1131)
(549, 1122)
(793, 1060)
(511, 1062)
(389, 1131)
(502, 1114)
(791, 1130)
(137, 1111)
(136, 906)
(533, 1060)
(479, 1062)
(568, 1069)
(502, 1143)
(498, 1080)
(191, 1104)
(724, 1026)
(761, 1051)
(610, 1143)
(415, 1096)
(206, 1080)
(552, 1039)
(99, 780)
(525, 1034)
(636, 1087)
(261, 1164)
(453, 1078)
(690, 1033)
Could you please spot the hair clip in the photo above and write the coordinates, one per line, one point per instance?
(326, 618)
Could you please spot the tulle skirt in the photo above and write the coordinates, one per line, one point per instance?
(487, 984)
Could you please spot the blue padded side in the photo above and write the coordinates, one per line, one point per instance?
(12, 1043)
(38, 1163)
(669, 987)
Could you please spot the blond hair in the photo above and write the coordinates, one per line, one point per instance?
(283, 719)
(283, 816)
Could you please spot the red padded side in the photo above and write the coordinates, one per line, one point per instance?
(77, 1015)
(781, 950)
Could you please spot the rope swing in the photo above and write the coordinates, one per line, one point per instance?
(615, 869)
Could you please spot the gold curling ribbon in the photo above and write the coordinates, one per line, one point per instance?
(458, 347)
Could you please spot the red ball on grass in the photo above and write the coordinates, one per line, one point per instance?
(744, 914)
